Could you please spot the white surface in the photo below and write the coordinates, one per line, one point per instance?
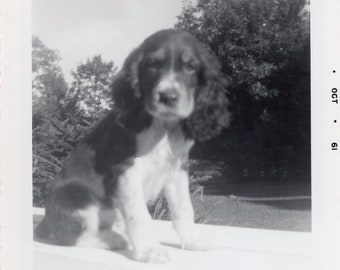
(236, 249)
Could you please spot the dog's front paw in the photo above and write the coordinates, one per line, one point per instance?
(113, 240)
(152, 254)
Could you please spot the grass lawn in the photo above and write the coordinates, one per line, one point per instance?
(277, 206)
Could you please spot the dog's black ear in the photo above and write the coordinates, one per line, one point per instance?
(125, 86)
(126, 93)
(211, 113)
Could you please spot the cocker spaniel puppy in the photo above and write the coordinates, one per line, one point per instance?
(168, 94)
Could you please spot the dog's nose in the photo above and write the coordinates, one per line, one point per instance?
(168, 98)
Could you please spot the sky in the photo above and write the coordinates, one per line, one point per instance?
(80, 29)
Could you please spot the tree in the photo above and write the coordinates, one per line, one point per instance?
(263, 48)
(48, 89)
(48, 84)
(90, 92)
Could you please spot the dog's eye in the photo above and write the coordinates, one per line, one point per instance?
(189, 68)
(154, 64)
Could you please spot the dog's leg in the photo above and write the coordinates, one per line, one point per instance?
(146, 247)
(93, 236)
(178, 197)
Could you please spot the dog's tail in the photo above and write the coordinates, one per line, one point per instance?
(42, 230)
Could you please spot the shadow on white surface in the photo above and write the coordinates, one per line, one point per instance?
(237, 248)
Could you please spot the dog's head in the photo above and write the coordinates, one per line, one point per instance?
(172, 77)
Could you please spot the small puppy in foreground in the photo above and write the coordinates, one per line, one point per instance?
(169, 94)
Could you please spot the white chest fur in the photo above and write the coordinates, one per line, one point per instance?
(157, 167)
(160, 156)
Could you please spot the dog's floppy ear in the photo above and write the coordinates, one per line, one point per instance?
(211, 113)
(126, 93)
(125, 86)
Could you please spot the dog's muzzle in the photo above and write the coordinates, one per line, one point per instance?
(168, 98)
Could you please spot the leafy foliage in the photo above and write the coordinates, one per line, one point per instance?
(53, 140)
(48, 84)
(48, 88)
(90, 90)
(263, 48)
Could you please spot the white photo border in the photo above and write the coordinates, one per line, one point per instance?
(322, 245)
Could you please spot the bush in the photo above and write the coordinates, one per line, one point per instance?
(53, 140)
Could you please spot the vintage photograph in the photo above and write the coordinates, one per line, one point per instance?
(193, 113)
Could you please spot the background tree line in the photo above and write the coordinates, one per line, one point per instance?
(264, 51)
